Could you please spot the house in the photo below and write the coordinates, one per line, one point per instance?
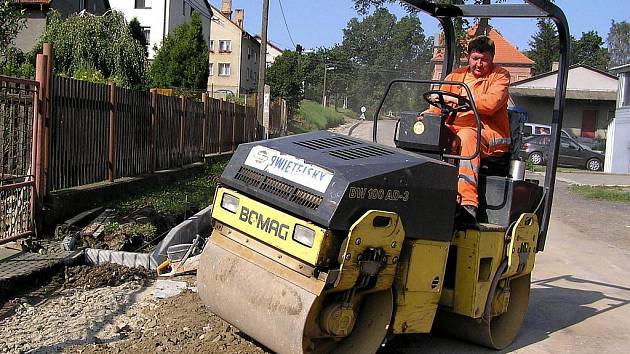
(618, 134)
(36, 21)
(158, 18)
(590, 99)
(506, 55)
(273, 51)
(233, 65)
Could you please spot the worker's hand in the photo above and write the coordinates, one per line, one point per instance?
(420, 116)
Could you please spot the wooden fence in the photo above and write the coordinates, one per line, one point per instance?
(100, 132)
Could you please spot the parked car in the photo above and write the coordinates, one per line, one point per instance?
(535, 148)
(530, 129)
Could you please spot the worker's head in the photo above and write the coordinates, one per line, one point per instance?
(480, 55)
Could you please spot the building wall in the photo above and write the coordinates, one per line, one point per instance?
(35, 26)
(36, 18)
(177, 12)
(272, 54)
(224, 29)
(249, 64)
(540, 110)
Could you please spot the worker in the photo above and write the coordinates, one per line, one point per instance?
(489, 86)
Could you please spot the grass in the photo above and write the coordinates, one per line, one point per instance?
(316, 117)
(179, 199)
(613, 194)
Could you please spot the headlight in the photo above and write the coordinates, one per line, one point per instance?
(304, 235)
(229, 203)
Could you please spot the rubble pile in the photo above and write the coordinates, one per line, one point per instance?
(110, 274)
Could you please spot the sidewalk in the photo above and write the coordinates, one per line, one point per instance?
(592, 178)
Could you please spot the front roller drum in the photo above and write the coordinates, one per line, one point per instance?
(265, 302)
(501, 330)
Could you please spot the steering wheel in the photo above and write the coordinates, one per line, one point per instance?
(463, 103)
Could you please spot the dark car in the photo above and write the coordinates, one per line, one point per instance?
(535, 148)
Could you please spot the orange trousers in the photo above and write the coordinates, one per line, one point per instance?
(492, 144)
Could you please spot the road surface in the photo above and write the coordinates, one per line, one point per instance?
(580, 298)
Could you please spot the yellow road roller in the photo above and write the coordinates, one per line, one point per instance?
(325, 243)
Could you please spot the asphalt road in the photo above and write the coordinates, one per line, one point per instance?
(580, 297)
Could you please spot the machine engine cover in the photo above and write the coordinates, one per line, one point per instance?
(332, 179)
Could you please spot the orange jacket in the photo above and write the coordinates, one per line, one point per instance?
(491, 97)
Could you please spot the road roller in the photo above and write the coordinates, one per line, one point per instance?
(326, 243)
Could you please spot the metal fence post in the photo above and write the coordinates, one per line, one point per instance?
(233, 110)
(153, 151)
(48, 53)
(221, 113)
(182, 113)
(113, 112)
(204, 138)
(41, 68)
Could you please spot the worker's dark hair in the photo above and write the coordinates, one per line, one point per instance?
(481, 44)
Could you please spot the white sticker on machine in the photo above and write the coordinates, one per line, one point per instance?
(289, 167)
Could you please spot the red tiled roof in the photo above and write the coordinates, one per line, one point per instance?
(505, 53)
(34, 2)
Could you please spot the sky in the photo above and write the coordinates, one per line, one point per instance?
(317, 23)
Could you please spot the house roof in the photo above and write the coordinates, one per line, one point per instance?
(269, 43)
(33, 2)
(584, 83)
(505, 53)
(555, 72)
(217, 12)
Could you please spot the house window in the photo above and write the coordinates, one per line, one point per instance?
(210, 72)
(224, 69)
(225, 46)
(211, 45)
(249, 53)
(143, 4)
(146, 31)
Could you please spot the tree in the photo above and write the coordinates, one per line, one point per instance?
(182, 60)
(138, 34)
(379, 48)
(97, 48)
(589, 50)
(619, 43)
(545, 47)
(12, 21)
(285, 78)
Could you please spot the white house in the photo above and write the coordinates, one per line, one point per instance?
(273, 50)
(160, 17)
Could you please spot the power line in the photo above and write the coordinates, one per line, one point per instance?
(285, 23)
(195, 5)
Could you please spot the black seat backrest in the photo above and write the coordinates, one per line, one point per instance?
(500, 165)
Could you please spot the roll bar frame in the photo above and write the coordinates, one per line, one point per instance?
(445, 13)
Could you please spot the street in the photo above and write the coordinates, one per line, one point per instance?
(580, 292)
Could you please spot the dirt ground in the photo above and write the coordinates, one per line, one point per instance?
(112, 309)
(179, 324)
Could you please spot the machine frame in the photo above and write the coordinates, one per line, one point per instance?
(445, 13)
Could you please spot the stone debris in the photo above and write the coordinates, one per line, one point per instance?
(117, 314)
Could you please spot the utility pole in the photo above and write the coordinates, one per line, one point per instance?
(326, 68)
(262, 62)
(324, 90)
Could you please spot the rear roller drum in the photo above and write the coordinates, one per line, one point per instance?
(499, 331)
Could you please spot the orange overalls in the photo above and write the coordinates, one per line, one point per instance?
(490, 94)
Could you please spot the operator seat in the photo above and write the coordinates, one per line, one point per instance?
(500, 165)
